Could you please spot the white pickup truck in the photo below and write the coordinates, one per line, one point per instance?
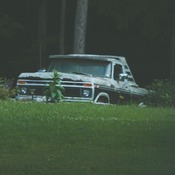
(85, 78)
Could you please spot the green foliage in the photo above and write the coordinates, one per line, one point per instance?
(6, 92)
(55, 90)
(162, 93)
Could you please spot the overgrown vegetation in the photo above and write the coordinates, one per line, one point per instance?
(5, 91)
(162, 93)
(75, 138)
(55, 91)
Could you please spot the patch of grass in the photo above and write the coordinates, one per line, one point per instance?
(75, 138)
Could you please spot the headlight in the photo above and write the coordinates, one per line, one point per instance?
(86, 92)
(23, 90)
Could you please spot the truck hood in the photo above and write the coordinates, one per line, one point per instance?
(66, 77)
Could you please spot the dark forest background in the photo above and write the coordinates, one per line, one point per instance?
(139, 30)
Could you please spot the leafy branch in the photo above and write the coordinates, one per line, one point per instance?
(55, 90)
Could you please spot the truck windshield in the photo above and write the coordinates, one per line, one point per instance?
(82, 66)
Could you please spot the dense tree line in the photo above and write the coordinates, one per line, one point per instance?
(140, 30)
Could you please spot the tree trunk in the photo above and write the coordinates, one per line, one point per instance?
(62, 27)
(80, 26)
(42, 32)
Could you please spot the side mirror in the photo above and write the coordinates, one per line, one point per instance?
(123, 76)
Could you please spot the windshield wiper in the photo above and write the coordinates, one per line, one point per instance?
(82, 73)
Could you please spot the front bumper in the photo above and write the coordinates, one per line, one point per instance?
(38, 98)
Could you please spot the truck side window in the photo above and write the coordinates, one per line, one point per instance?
(117, 71)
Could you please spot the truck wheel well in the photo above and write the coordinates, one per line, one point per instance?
(102, 98)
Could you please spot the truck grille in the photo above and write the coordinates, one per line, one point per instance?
(72, 92)
(68, 92)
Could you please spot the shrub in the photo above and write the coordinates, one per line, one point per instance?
(5, 91)
(162, 93)
(55, 90)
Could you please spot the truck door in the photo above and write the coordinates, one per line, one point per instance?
(121, 79)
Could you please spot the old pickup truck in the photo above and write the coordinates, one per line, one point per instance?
(85, 78)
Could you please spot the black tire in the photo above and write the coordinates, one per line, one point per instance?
(103, 100)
